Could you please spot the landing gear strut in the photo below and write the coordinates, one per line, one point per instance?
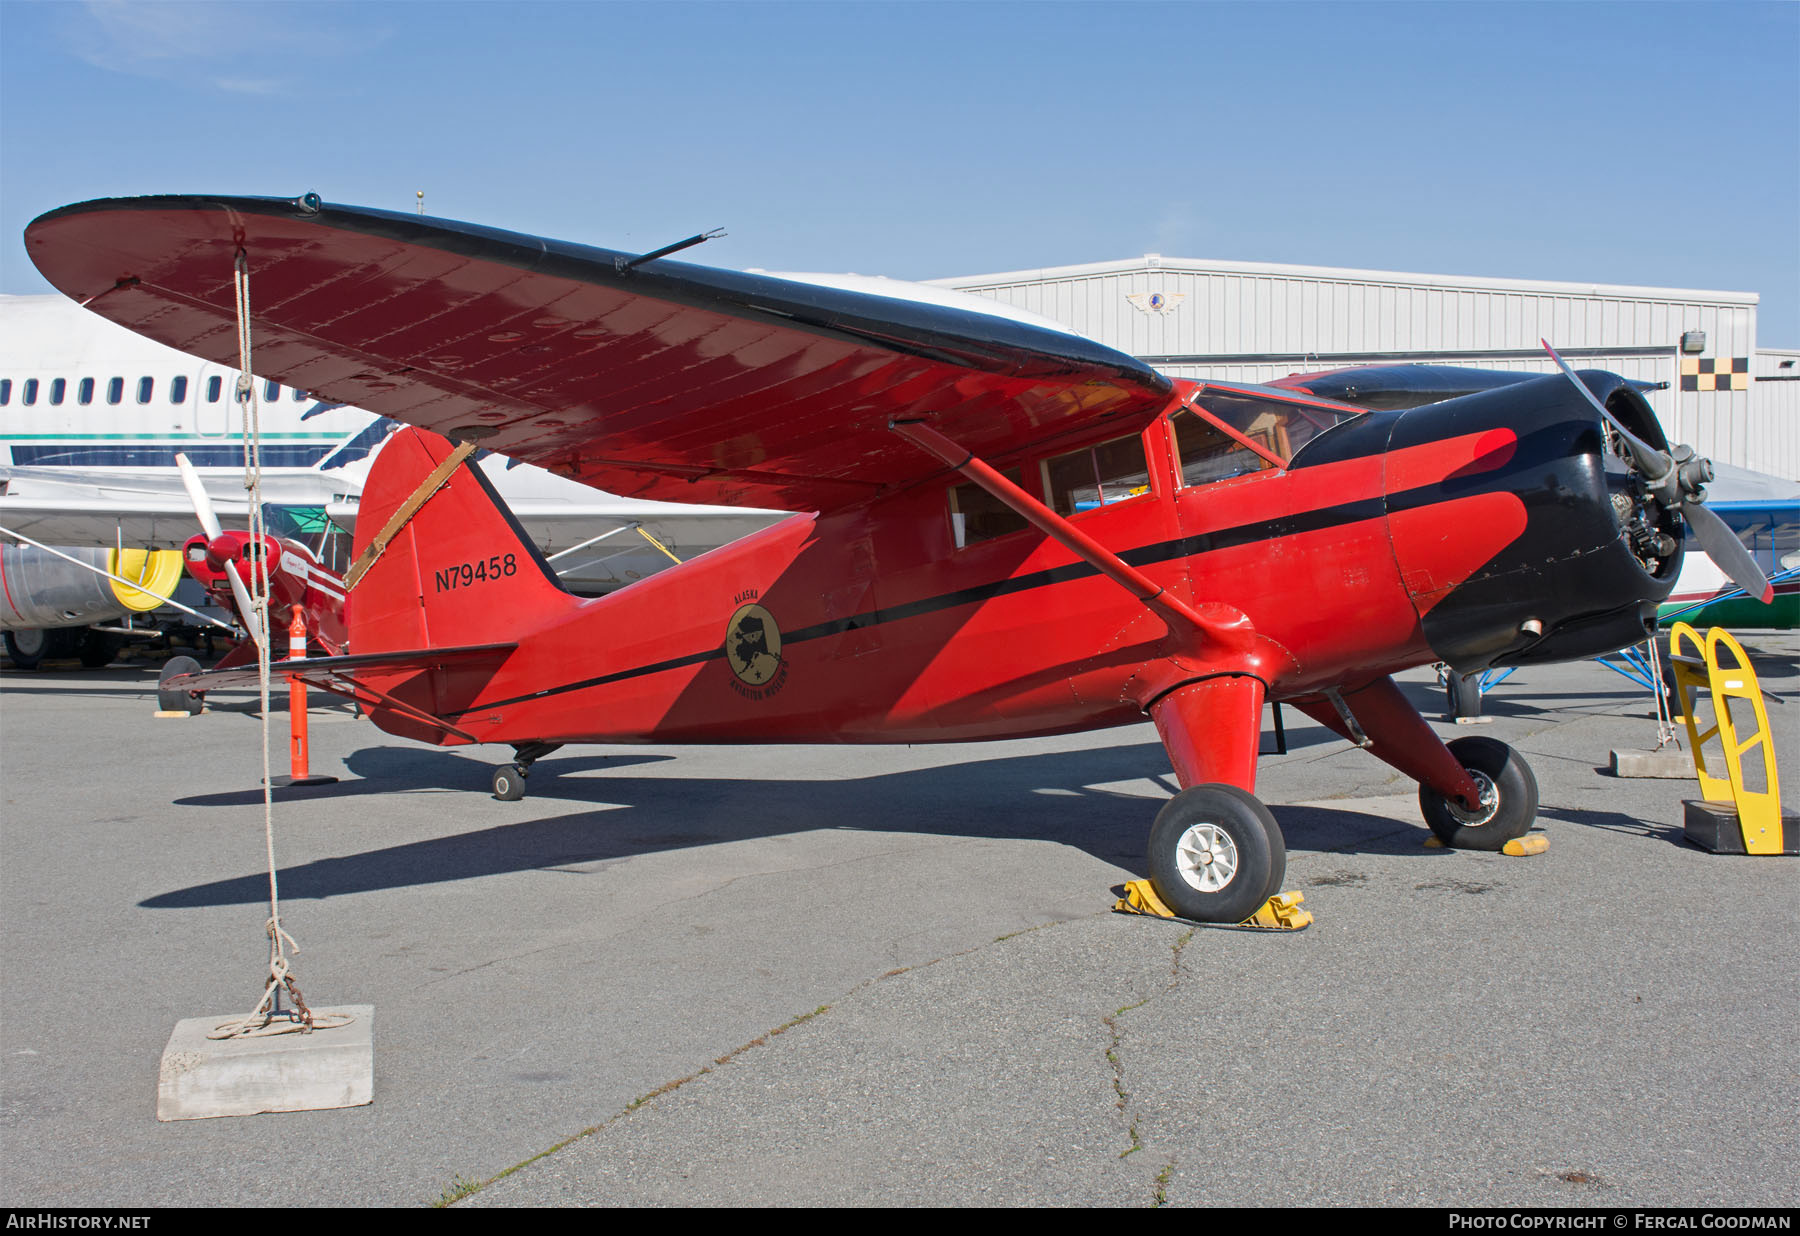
(1216, 854)
(509, 779)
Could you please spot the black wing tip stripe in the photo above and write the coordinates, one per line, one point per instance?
(968, 337)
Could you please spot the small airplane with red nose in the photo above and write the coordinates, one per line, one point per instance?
(1004, 529)
(229, 563)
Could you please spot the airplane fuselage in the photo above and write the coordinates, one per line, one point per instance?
(1480, 531)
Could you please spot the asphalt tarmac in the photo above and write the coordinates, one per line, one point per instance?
(888, 976)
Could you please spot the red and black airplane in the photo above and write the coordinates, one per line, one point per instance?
(1009, 530)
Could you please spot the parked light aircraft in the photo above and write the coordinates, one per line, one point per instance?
(1010, 530)
(92, 416)
(1764, 511)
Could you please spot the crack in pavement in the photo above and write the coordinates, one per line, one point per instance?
(462, 1187)
(1114, 1057)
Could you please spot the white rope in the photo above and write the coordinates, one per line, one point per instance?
(268, 1017)
(1665, 719)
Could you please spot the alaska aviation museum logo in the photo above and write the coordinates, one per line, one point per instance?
(1162, 303)
(753, 650)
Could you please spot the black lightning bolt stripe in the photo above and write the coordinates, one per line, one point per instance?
(1162, 551)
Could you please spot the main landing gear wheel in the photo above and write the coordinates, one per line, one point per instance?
(1509, 798)
(177, 700)
(1216, 854)
(509, 783)
(1462, 693)
(32, 646)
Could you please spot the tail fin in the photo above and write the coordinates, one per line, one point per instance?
(459, 572)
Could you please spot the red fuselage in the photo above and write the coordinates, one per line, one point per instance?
(872, 625)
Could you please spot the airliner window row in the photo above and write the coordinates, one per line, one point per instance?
(58, 390)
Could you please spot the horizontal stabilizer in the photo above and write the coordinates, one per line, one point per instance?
(329, 672)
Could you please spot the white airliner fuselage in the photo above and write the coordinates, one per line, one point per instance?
(93, 415)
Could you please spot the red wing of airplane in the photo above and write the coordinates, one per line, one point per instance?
(665, 380)
(1017, 531)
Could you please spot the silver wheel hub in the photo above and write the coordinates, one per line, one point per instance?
(1490, 802)
(1207, 857)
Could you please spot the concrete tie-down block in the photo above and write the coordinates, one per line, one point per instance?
(204, 1077)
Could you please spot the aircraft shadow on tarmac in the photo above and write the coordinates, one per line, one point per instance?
(1039, 797)
(1616, 822)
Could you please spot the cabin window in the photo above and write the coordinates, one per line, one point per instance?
(214, 385)
(115, 390)
(146, 388)
(1097, 476)
(299, 396)
(58, 388)
(5, 391)
(29, 395)
(271, 391)
(84, 393)
(178, 389)
(976, 515)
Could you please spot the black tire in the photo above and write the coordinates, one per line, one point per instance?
(28, 648)
(177, 700)
(509, 783)
(1201, 816)
(1512, 784)
(32, 647)
(98, 649)
(1462, 694)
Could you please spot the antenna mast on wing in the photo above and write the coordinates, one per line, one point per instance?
(623, 264)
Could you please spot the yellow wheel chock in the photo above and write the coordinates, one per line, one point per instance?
(1518, 847)
(1761, 827)
(1281, 912)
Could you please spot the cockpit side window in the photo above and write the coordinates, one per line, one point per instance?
(1206, 454)
(1246, 431)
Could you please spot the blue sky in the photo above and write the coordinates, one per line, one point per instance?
(1622, 142)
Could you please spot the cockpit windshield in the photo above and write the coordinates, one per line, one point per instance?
(309, 526)
(1230, 430)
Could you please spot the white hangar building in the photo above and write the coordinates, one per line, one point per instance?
(1255, 321)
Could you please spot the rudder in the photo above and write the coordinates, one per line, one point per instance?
(460, 571)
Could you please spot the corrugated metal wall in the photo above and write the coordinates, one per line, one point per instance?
(1252, 322)
(1775, 398)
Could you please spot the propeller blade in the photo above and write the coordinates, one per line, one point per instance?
(246, 608)
(1655, 464)
(209, 524)
(190, 480)
(1725, 549)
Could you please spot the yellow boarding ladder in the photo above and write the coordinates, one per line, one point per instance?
(1758, 811)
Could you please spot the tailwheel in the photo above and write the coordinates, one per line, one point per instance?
(1509, 798)
(509, 779)
(1216, 854)
(509, 783)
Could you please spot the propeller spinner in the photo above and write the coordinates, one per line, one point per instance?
(1678, 482)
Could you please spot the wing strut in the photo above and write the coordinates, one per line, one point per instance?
(1178, 614)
